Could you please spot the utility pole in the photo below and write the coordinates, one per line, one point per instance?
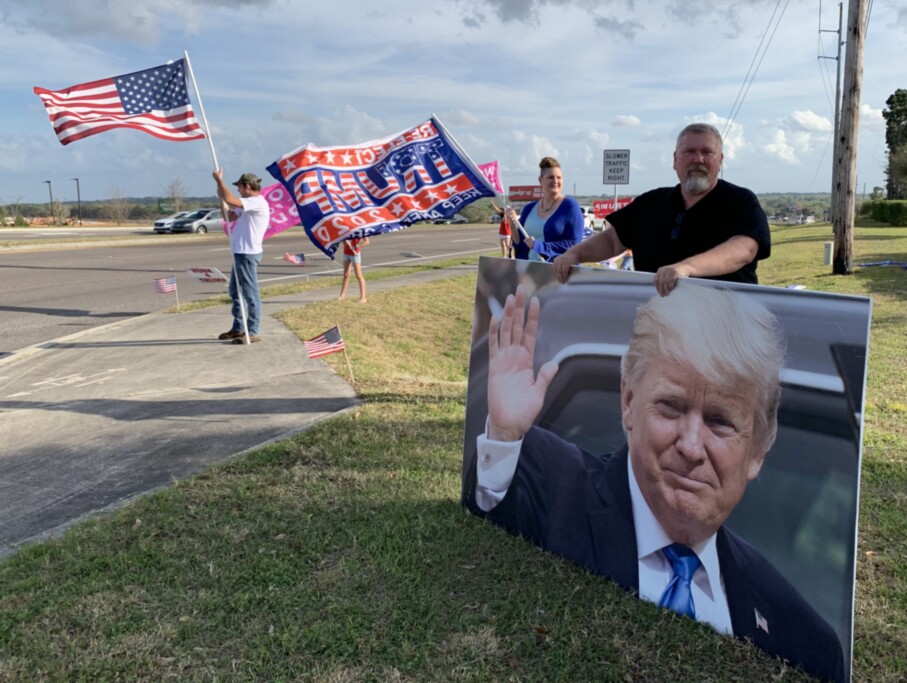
(845, 177)
(53, 217)
(79, 199)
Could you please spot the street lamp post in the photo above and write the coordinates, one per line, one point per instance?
(53, 218)
(79, 200)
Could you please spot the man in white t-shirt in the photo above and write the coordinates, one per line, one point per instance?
(251, 214)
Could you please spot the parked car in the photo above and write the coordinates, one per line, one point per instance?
(162, 225)
(591, 221)
(456, 219)
(201, 221)
(494, 218)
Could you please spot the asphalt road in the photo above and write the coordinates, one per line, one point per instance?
(50, 291)
(67, 234)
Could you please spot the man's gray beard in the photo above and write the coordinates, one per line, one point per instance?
(696, 184)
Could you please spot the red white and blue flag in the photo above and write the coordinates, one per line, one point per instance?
(325, 343)
(379, 186)
(155, 101)
(165, 285)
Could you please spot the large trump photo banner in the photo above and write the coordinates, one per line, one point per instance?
(701, 450)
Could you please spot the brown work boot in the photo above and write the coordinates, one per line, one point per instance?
(241, 339)
(232, 334)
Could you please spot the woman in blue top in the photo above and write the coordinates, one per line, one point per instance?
(553, 224)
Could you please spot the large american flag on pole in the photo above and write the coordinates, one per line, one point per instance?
(155, 101)
(379, 186)
(325, 343)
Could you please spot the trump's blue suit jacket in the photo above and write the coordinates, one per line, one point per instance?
(578, 506)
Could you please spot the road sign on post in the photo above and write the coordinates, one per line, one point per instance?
(617, 167)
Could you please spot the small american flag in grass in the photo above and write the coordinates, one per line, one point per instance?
(325, 343)
(295, 259)
(165, 285)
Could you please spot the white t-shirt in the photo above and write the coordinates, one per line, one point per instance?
(249, 230)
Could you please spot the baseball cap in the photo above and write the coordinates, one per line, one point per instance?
(249, 179)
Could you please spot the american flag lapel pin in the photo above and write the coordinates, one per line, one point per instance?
(761, 622)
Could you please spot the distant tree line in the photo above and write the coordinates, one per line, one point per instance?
(118, 208)
(895, 114)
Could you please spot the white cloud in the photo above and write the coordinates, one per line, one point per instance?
(348, 125)
(539, 147)
(626, 121)
(136, 22)
(14, 154)
(809, 121)
(615, 28)
(871, 119)
(599, 139)
(780, 148)
(460, 117)
(513, 80)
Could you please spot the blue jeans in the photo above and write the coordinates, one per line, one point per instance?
(246, 266)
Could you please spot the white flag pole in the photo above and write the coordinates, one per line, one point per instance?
(348, 365)
(223, 204)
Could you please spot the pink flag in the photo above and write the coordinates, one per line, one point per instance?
(492, 173)
(283, 210)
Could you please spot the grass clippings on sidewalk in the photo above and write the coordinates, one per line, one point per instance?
(343, 554)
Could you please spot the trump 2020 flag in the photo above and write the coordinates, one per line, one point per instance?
(282, 210)
(155, 101)
(379, 186)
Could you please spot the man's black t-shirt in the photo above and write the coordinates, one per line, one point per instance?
(660, 232)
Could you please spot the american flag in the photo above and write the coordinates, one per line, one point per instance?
(325, 343)
(379, 186)
(165, 285)
(295, 259)
(155, 101)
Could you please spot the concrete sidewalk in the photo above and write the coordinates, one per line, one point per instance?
(92, 420)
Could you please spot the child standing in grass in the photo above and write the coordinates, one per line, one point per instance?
(352, 258)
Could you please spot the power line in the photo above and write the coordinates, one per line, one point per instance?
(823, 66)
(826, 78)
(751, 72)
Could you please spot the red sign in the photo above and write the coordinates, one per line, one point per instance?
(602, 207)
(524, 193)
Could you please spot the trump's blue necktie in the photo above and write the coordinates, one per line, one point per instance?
(677, 595)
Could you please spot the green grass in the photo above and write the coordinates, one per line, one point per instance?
(343, 555)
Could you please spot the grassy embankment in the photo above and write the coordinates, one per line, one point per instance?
(343, 554)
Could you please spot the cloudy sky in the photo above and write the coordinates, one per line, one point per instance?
(513, 80)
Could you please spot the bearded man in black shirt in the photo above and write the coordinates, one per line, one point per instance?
(702, 227)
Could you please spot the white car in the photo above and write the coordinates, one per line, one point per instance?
(591, 221)
(162, 225)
